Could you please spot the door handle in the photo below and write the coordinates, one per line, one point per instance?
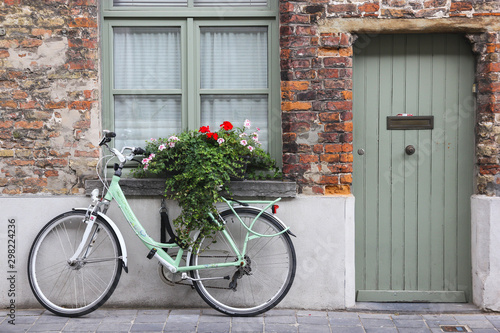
(410, 150)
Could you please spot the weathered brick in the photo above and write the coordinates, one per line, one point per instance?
(55, 105)
(330, 158)
(460, 6)
(339, 106)
(369, 7)
(308, 158)
(289, 106)
(51, 173)
(29, 124)
(329, 116)
(6, 153)
(31, 42)
(29, 105)
(343, 8)
(337, 189)
(329, 179)
(6, 124)
(346, 158)
(19, 94)
(94, 153)
(333, 148)
(83, 22)
(295, 85)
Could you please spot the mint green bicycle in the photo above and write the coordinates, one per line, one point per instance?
(76, 260)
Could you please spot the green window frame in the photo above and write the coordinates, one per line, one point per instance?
(191, 21)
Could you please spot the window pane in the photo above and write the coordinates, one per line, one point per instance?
(147, 58)
(229, 3)
(141, 117)
(150, 3)
(215, 109)
(233, 57)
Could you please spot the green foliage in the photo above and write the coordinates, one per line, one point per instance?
(199, 165)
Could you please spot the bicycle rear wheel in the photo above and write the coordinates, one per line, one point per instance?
(76, 289)
(265, 279)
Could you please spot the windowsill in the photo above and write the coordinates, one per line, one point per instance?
(245, 188)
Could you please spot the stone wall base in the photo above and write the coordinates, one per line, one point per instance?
(324, 244)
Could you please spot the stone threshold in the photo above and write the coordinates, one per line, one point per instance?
(242, 189)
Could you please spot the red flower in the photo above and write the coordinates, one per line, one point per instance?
(212, 136)
(204, 129)
(227, 126)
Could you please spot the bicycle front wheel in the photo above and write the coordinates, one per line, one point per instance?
(264, 280)
(74, 289)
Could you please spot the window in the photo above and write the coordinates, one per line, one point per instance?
(171, 65)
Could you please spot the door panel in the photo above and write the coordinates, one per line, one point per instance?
(413, 211)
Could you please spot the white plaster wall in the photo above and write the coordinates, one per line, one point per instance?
(324, 245)
(485, 242)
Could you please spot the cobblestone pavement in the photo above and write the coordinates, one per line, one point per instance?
(148, 320)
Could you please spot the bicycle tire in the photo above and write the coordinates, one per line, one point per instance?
(264, 281)
(91, 283)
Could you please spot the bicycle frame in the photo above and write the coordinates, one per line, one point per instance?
(115, 192)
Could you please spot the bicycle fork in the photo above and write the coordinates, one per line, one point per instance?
(85, 245)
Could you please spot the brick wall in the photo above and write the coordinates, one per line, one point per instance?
(49, 91)
(48, 95)
(316, 74)
(487, 48)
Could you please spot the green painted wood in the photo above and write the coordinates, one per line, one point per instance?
(411, 296)
(371, 133)
(384, 186)
(413, 211)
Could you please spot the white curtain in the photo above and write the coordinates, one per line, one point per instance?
(234, 58)
(141, 117)
(146, 58)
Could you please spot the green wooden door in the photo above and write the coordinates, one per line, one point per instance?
(413, 211)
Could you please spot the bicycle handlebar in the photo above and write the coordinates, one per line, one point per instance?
(108, 135)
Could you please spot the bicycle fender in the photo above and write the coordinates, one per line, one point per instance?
(258, 210)
(118, 233)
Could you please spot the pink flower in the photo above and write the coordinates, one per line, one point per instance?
(161, 147)
(243, 142)
(152, 139)
(247, 123)
(173, 138)
(220, 141)
(146, 167)
(171, 144)
(151, 156)
(250, 148)
(145, 161)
